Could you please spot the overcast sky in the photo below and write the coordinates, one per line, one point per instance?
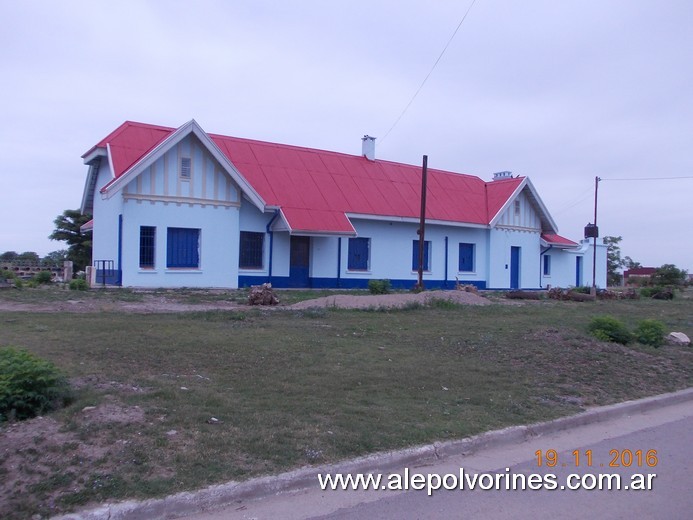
(560, 91)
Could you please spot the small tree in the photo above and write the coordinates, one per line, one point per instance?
(55, 257)
(669, 275)
(67, 230)
(614, 262)
(9, 256)
(629, 263)
(28, 256)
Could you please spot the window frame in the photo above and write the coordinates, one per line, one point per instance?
(471, 246)
(546, 265)
(185, 168)
(244, 254)
(355, 263)
(415, 256)
(180, 255)
(147, 248)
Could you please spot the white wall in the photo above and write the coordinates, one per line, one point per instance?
(501, 240)
(391, 251)
(218, 244)
(563, 266)
(106, 211)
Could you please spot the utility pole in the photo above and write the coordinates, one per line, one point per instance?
(422, 222)
(594, 239)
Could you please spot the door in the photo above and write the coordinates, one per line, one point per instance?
(299, 261)
(578, 271)
(514, 267)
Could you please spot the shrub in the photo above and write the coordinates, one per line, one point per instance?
(29, 385)
(608, 328)
(657, 292)
(379, 286)
(582, 289)
(79, 284)
(650, 332)
(43, 277)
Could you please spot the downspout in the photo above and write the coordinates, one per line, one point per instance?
(445, 282)
(541, 265)
(119, 278)
(271, 237)
(339, 261)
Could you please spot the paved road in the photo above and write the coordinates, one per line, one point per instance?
(668, 430)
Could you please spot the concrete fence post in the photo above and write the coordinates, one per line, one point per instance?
(67, 271)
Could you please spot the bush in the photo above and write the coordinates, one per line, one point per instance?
(657, 292)
(29, 385)
(79, 284)
(608, 328)
(43, 277)
(379, 286)
(650, 332)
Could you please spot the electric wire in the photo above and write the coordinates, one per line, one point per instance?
(429, 72)
(647, 178)
(581, 198)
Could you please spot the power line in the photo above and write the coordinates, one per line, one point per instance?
(647, 178)
(581, 198)
(429, 72)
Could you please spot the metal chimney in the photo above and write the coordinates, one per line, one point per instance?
(499, 176)
(368, 147)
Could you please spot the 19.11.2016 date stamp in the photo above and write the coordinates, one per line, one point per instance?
(618, 458)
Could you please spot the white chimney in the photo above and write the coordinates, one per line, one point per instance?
(499, 176)
(368, 147)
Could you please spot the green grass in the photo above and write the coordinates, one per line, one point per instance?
(296, 388)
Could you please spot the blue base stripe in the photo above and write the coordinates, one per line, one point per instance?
(284, 282)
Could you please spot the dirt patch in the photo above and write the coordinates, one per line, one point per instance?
(170, 303)
(148, 304)
(41, 457)
(397, 300)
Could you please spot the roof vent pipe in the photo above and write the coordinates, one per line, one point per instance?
(499, 176)
(368, 147)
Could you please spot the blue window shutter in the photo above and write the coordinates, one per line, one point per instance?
(466, 263)
(183, 248)
(547, 265)
(358, 253)
(415, 256)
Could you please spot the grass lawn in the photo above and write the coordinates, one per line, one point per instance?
(292, 388)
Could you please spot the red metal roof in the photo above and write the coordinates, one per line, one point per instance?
(553, 238)
(316, 189)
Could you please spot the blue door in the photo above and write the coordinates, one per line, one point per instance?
(299, 260)
(578, 271)
(514, 267)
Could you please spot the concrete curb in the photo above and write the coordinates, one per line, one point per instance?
(215, 497)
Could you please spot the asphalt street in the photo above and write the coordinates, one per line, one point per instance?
(599, 446)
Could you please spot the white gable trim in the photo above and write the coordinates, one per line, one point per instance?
(191, 127)
(544, 214)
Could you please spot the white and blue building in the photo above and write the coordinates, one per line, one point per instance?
(177, 207)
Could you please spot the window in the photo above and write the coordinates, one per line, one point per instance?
(547, 265)
(183, 248)
(359, 254)
(466, 257)
(517, 208)
(426, 257)
(251, 250)
(147, 246)
(185, 168)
